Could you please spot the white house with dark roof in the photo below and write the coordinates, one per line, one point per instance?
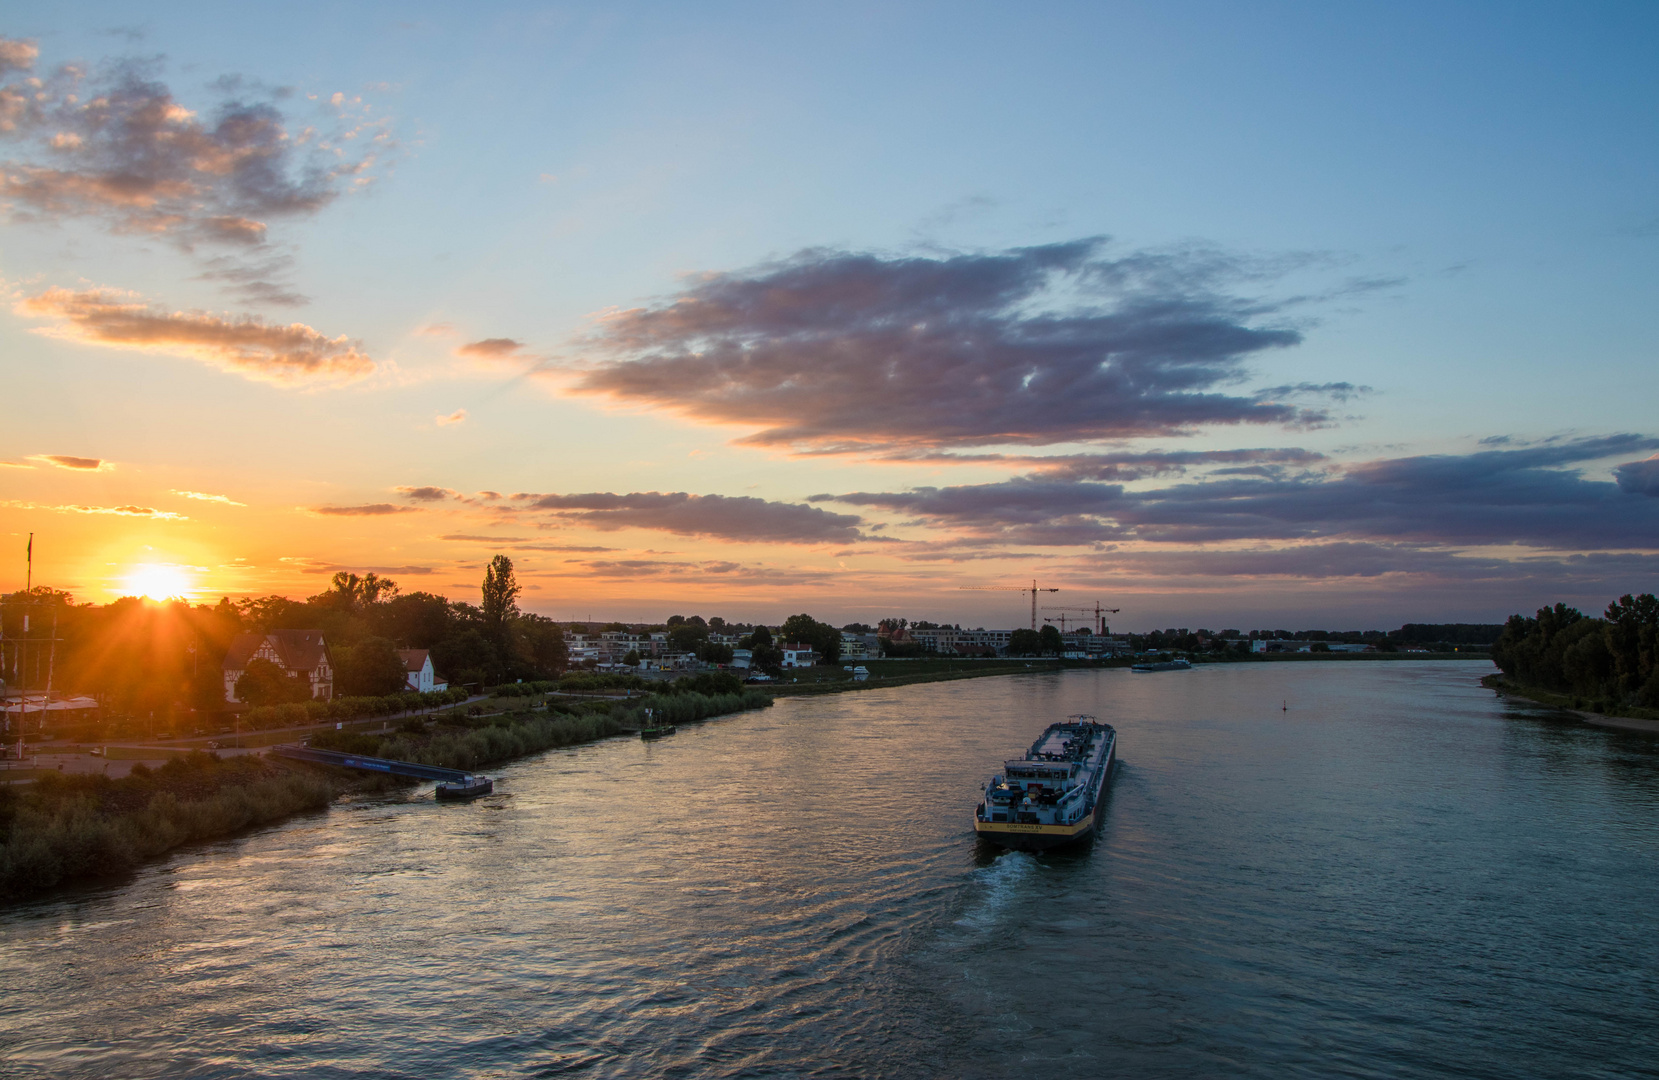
(795, 656)
(417, 663)
(296, 652)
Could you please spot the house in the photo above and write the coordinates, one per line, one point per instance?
(297, 652)
(799, 656)
(417, 663)
(743, 658)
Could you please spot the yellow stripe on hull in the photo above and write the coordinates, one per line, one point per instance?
(995, 829)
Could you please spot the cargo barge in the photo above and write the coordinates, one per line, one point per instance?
(1052, 796)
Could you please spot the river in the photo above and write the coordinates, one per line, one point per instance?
(1306, 869)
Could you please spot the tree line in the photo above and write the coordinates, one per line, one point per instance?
(163, 660)
(1611, 660)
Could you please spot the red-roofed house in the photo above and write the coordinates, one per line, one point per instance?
(297, 652)
(418, 664)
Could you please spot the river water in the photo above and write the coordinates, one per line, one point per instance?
(1331, 869)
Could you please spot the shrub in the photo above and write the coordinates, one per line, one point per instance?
(584, 682)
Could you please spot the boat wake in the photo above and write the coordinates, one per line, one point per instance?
(996, 887)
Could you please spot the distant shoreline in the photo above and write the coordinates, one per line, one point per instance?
(945, 669)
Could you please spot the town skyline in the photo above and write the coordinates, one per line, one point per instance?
(1222, 319)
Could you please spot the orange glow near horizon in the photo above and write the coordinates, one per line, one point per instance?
(159, 582)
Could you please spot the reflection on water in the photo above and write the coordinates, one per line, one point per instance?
(1398, 876)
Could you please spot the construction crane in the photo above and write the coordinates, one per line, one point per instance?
(1097, 611)
(1033, 589)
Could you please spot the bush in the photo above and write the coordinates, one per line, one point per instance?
(523, 689)
(587, 683)
(713, 682)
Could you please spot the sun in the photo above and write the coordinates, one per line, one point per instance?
(159, 582)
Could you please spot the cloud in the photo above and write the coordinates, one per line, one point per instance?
(114, 145)
(496, 348)
(740, 518)
(835, 350)
(365, 510)
(455, 417)
(78, 464)
(1127, 466)
(727, 572)
(127, 511)
(257, 281)
(1639, 477)
(202, 497)
(116, 511)
(17, 55)
(426, 494)
(1492, 497)
(336, 568)
(267, 352)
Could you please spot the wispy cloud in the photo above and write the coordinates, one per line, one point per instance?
(496, 348)
(738, 518)
(1531, 496)
(836, 350)
(204, 497)
(426, 494)
(455, 417)
(291, 354)
(130, 510)
(365, 510)
(75, 464)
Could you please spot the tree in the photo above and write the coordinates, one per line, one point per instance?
(824, 639)
(767, 658)
(417, 620)
(714, 652)
(632, 659)
(264, 683)
(540, 647)
(467, 656)
(500, 602)
(370, 668)
(1053, 643)
(687, 636)
(1025, 642)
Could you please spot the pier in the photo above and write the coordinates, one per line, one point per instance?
(413, 770)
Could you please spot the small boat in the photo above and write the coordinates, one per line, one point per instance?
(470, 788)
(1180, 663)
(655, 730)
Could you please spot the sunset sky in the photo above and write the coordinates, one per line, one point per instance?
(1226, 315)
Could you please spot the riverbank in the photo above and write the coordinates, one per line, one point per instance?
(64, 826)
(886, 673)
(1632, 719)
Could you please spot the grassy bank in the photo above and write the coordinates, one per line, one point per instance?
(63, 827)
(1571, 702)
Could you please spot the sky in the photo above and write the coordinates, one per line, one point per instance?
(1224, 315)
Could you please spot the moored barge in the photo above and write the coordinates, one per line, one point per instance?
(1052, 796)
